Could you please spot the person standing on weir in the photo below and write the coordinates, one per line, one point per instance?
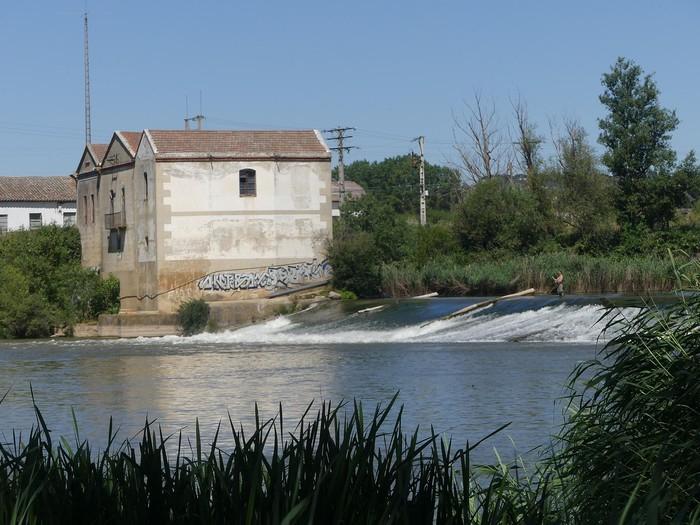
(559, 284)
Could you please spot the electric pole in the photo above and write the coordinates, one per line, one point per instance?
(423, 191)
(197, 118)
(341, 148)
(86, 63)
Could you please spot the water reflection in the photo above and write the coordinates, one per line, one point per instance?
(465, 390)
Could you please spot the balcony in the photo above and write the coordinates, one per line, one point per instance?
(115, 220)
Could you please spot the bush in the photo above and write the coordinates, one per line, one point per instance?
(193, 316)
(43, 287)
(498, 215)
(356, 263)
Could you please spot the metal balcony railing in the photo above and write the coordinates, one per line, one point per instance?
(115, 220)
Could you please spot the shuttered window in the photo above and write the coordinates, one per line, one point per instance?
(3, 224)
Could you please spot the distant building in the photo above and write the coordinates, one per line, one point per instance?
(32, 202)
(213, 214)
(352, 191)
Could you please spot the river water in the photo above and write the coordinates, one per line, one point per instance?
(466, 377)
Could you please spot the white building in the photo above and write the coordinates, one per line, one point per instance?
(220, 215)
(32, 202)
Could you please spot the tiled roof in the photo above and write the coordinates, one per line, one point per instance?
(37, 189)
(132, 139)
(352, 189)
(98, 151)
(264, 144)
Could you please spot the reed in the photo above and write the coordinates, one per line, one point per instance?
(338, 466)
(583, 274)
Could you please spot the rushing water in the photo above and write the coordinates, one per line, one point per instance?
(466, 376)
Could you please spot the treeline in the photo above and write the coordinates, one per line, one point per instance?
(627, 207)
(43, 287)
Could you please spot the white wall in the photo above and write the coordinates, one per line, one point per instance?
(18, 212)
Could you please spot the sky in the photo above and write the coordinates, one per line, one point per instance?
(392, 69)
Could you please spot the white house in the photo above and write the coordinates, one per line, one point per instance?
(32, 202)
(219, 214)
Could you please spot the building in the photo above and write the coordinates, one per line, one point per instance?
(213, 214)
(352, 191)
(32, 202)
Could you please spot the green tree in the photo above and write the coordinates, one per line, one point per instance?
(636, 134)
(498, 215)
(395, 181)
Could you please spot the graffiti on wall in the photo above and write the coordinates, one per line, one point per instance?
(270, 278)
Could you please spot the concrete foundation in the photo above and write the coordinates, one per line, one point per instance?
(224, 315)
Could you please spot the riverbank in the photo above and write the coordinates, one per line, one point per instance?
(582, 274)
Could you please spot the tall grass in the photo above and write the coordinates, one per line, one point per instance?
(582, 273)
(334, 467)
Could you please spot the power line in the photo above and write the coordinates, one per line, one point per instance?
(340, 136)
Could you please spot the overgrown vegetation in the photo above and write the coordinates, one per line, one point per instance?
(43, 287)
(607, 222)
(627, 454)
(193, 316)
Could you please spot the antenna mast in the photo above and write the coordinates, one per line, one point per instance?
(88, 130)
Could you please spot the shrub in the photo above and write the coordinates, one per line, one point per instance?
(356, 263)
(193, 316)
(498, 215)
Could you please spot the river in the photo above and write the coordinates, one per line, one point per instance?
(466, 376)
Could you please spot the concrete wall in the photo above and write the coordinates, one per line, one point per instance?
(205, 226)
(18, 212)
(89, 220)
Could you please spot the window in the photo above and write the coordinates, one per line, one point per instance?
(116, 240)
(145, 186)
(246, 183)
(123, 200)
(34, 221)
(85, 209)
(3, 224)
(92, 200)
(69, 218)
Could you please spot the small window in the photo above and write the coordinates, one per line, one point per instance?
(34, 221)
(3, 224)
(123, 199)
(145, 186)
(246, 183)
(85, 210)
(116, 240)
(69, 218)
(92, 201)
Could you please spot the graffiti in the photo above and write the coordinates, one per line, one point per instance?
(270, 278)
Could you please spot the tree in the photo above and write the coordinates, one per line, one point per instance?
(527, 142)
(636, 134)
(483, 150)
(584, 195)
(496, 214)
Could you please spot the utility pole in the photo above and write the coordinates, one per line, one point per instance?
(423, 191)
(86, 60)
(341, 148)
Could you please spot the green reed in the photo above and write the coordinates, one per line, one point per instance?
(337, 466)
(583, 274)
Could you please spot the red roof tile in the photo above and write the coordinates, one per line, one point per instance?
(265, 144)
(37, 189)
(98, 151)
(132, 139)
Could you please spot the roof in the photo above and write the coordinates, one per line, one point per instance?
(352, 189)
(131, 140)
(98, 152)
(244, 144)
(37, 189)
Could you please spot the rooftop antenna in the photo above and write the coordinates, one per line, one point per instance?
(88, 126)
(197, 118)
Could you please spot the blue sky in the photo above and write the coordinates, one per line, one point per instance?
(392, 69)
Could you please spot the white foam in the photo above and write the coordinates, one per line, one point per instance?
(561, 323)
